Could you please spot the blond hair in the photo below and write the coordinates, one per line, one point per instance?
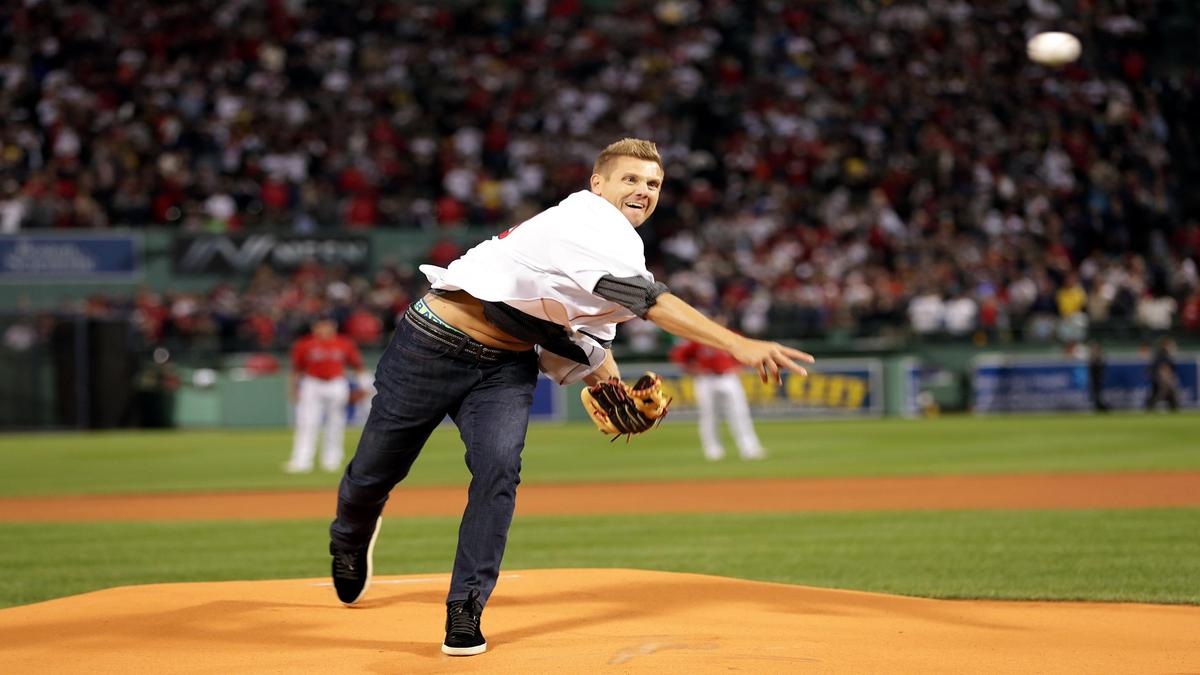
(627, 147)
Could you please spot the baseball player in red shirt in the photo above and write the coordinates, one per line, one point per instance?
(320, 391)
(715, 374)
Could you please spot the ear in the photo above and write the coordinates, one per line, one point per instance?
(594, 183)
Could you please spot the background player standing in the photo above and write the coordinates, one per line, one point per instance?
(320, 392)
(715, 375)
(1164, 382)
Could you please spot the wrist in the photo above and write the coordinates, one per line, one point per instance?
(731, 341)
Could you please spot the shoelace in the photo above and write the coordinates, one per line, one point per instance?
(343, 566)
(463, 618)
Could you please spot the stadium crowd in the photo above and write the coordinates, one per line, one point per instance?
(861, 168)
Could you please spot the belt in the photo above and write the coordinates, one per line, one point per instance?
(462, 344)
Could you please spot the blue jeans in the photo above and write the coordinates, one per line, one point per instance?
(425, 374)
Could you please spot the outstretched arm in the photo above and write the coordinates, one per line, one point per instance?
(769, 358)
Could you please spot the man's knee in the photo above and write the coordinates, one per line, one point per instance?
(498, 464)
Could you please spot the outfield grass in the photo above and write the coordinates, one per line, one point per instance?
(1147, 555)
(1150, 555)
(123, 462)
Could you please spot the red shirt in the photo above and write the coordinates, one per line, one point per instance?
(325, 359)
(698, 358)
(1189, 316)
(364, 327)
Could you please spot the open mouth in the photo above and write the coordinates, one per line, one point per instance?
(635, 205)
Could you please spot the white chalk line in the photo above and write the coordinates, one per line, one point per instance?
(421, 580)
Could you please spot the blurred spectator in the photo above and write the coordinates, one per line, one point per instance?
(443, 252)
(1071, 297)
(641, 336)
(1189, 316)
(1072, 300)
(1042, 317)
(260, 364)
(961, 314)
(1156, 314)
(364, 328)
(926, 313)
(13, 207)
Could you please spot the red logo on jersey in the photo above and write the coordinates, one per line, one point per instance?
(508, 231)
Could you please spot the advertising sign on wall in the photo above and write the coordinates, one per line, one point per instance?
(549, 402)
(86, 257)
(1015, 384)
(244, 253)
(833, 388)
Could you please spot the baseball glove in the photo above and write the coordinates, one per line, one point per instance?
(624, 411)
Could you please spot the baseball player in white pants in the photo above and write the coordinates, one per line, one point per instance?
(321, 393)
(728, 387)
(714, 373)
(320, 400)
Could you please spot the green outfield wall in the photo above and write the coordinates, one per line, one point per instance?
(34, 393)
(159, 255)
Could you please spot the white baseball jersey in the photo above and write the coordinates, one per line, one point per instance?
(547, 267)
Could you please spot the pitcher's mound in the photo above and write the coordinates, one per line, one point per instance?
(595, 620)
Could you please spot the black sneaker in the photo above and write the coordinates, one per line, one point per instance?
(352, 569)
(463, 637)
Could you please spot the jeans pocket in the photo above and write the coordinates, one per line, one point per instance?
(417, 345)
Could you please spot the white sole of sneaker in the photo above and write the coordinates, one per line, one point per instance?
(370, 562)
(464, 651)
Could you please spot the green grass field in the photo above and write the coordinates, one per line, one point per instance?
(1150, 555)
(122, 462)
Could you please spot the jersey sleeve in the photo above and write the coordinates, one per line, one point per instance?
(637, 294)
(603, 253)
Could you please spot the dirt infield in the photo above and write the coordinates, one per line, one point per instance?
(587, 621)
(1041, 491)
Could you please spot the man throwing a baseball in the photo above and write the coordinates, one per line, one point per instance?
(545, 295)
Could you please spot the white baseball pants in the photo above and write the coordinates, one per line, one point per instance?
(320, 400)
(736, 410)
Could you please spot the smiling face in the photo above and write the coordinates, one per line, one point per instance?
(630, 184)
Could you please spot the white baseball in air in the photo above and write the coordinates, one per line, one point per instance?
(1053, 48)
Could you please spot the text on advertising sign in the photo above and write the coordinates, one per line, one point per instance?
(207, 254)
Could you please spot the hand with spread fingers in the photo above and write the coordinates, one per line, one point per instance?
(770, 359)
(624, 411)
